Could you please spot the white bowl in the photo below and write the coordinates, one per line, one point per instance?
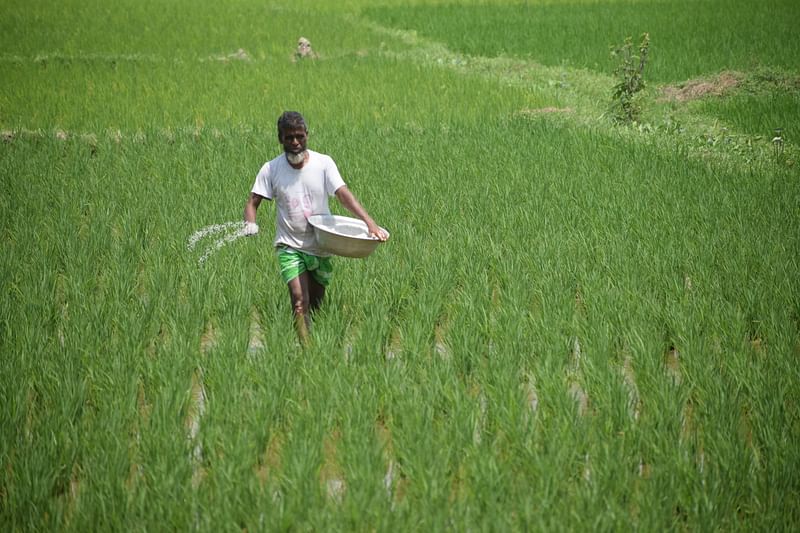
(343, 236)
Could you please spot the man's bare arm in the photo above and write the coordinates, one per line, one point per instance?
(350, 203)
(250, 209)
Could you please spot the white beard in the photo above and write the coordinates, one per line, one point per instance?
(296, 159)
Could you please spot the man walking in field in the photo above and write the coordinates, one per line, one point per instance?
(300, 181)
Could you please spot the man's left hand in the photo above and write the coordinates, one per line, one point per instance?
(377, 232)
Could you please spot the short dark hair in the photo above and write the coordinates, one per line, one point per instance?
(291, 120)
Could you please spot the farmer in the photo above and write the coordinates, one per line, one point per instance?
(300, 181)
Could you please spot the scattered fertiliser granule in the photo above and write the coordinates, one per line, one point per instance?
(232, 230)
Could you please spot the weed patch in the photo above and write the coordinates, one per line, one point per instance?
(630, 79)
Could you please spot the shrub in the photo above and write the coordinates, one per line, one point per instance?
(630, 72)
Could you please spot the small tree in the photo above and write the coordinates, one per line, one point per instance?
(631, 80)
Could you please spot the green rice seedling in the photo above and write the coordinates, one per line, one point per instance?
(687, 36)
(514, 234)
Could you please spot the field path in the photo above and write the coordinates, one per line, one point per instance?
(579, 91)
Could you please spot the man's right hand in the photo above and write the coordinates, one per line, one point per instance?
(250, 228)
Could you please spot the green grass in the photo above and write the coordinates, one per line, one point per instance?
(535, 258)
(95, 96)
(758, 114)
(688, 38)
(149, 29)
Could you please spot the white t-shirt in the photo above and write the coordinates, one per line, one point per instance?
(298, 194)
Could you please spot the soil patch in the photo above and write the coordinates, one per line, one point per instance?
(700, 87)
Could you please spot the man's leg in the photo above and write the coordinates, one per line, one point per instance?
(316, 293)
(318, 280)
(299, 293)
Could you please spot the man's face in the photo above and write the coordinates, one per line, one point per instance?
(294, 140)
